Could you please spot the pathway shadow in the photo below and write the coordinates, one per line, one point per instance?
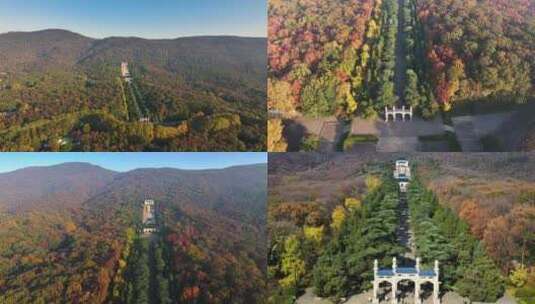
(294, 133)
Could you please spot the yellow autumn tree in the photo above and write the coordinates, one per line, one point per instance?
(276, 141)
(373, 29)
(338, 217)
(70, 227)
(314, 234)
(292, 262)
(372, 182)
(519, 276)
(280, 96)
(352, 203)
(352, 104)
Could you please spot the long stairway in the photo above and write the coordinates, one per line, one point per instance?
(405, 234)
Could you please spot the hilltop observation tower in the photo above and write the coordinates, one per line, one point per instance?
(402, 173)
(125, 72)
(149, 217)
(393, 276)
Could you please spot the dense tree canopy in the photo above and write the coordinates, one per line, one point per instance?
(479, 49)
(317, 54)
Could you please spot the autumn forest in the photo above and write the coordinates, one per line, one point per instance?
(73, 233)
(338, 57)
(351, 59)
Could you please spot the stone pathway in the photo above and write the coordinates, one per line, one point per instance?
(364, 298)
(416, 127)
(404, 233)
(310, 298)
(398, 144)
(398, 136)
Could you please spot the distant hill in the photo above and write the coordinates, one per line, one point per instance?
(24, 51)
(236, 192)
(63, 185)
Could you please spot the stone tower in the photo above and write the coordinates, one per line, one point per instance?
(124, 69)
(148, 212)
(125, 72)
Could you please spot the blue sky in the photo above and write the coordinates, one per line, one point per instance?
(141, 18)
(128, 161)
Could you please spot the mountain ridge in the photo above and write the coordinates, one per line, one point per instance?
(81, 163)
(61, 30)
(75, 184)
(42, 43)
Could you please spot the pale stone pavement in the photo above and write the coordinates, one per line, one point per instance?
(364, 298)
(399, 136)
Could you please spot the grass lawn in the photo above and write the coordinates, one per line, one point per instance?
(492, 144)
(352, 140)
(448, 137)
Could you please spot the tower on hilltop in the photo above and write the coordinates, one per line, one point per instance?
(148, 211)
(125, 71)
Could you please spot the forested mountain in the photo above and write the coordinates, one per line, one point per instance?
(68, 185)
(42, 50)
(210, 247)
(331, 215)
(198, 93)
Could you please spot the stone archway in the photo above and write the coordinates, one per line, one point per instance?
(383, 291)
(403, 113)
(406, 291)
(428, 289)
(415, 275)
